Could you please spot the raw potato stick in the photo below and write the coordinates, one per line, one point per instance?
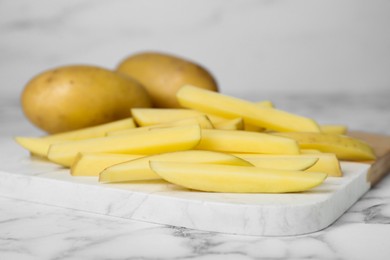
(231, 107)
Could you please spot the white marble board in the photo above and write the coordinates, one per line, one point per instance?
(26, 178)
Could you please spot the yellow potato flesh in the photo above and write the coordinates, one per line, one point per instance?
(345, 147)
(231, 107)
(265, 103)
(154, 116)
(202, 120)
(91, 164)
(40, 145)
(334, 129)
(284, 163)
(143, 142)
(230, 124)
(253, 128)
(243, 141)
(36, 145)
(309, 151)
(139, 169)
(326, 162)
(94, 131)
(235, 179)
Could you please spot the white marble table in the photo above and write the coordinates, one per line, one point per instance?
(35, 231)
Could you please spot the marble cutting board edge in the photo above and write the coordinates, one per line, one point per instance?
(25, 178)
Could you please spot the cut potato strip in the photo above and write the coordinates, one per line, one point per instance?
(243, 141)
(94, 131)
(345, 147)
(235, 179)
(310, 151)
(265, 103)
(253, 128)
(334, 129)
(36, 145)
(230, 107)
(230, 124)
(295, 163)
(326, 162)
(143, 142)
(202, 120)
(139, 169)
(40, 145)
(154, 116)
(92, 164)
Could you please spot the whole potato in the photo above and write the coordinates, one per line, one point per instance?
(163, 74)
(74, 97)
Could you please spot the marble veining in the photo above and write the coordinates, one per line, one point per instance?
(33, 231)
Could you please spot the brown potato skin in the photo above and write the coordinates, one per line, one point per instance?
(163, 74)
(73, 97)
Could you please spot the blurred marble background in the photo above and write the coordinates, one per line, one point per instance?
(262, 47)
